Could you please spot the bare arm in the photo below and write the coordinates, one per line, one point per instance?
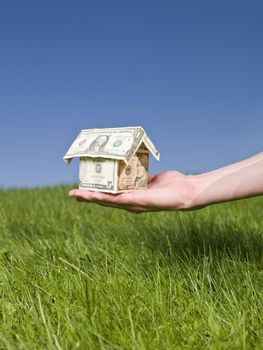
(239, 180)
(172, 190)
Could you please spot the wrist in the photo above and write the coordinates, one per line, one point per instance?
(201, 193)
(191, 193)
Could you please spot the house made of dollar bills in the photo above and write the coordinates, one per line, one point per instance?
(112, 160)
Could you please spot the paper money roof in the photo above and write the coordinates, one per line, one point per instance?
(111, 143)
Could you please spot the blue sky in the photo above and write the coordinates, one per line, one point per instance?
(190, 72)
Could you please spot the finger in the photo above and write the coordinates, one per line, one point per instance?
(132, 209)
(98, 198)
(90, 196)
(135, 198)
(135, 210)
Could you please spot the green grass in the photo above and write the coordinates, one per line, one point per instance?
(79, 276)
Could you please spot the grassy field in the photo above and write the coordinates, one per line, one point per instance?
(79, 276)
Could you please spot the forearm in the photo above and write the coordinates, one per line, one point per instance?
(239, 180)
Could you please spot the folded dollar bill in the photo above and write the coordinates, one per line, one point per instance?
(112, 160)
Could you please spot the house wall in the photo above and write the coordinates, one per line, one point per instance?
(98, 174)
(135, 174)
(113, 176)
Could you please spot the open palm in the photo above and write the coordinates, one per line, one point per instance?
(170, 190)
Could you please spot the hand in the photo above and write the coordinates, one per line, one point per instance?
(170, 190)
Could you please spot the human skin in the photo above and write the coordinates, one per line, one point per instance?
(173, 190)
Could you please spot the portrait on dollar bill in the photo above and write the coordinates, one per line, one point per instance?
(98, 144)
(141, 167)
